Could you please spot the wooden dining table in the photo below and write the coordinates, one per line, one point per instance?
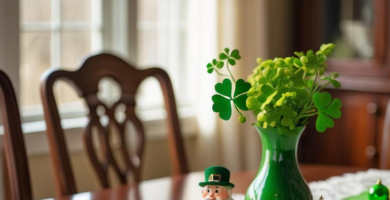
(186, 186)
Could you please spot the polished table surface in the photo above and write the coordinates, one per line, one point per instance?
(186, 186)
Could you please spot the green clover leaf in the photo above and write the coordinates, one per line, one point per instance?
(325, 49)
(268, 97)
(311, 60)
(288, 115)
(252, 103)
(211, 66)
(241, 87)
(321, 59)
(222, 105)
(222, 99)
(281, 100)
(327, 109)
(335, 83)
(235, 54)
(266, 91)
(232, 58)
(224, 88)
(297, 63)
(273, 116)
(298, 80)
(265, 76)
(239, 96)
(241, 102)
(223, 56)
(301, 94)
(288, 112)
(332, 79)
(222, 102)
(232, 61)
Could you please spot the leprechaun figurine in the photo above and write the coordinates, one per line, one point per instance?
(216, 185)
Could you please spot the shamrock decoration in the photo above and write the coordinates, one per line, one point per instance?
(327, 109)
(224, 97)
(222, 100)
(211, 66)
(234, 55)
(332, 80)
(280, 92)
(325, 49)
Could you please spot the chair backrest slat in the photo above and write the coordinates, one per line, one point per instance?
(15, 151)
(85, 81)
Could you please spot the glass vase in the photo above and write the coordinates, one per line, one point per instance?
(279, 177)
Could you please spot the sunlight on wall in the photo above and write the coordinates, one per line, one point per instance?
(203, 44)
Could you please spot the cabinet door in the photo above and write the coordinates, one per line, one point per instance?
(352, 141)
(358, 28)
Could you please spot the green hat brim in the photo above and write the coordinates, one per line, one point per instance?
(202, 184)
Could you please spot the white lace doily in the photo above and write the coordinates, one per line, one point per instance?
(347, 185)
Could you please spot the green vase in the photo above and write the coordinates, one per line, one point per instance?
(279, 177)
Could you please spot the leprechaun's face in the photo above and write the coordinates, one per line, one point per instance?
(214, 192)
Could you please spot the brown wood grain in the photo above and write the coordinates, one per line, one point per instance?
(85, 81)
(385, 138)
(364, 82)
(186, 186)
(18, 176)
(346, 142)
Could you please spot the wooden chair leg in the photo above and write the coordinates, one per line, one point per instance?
(6, 188)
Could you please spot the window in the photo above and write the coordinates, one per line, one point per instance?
(59, 34)
(162, 42)
(55, 34)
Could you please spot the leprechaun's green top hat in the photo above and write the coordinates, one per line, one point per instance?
(217, 175)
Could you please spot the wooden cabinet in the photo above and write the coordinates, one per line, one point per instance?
(356, 139)
(353, 140)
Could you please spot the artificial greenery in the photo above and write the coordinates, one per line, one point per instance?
(282, 93)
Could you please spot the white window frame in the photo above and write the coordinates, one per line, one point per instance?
(119, 37)
(168, 25)
(55, 26)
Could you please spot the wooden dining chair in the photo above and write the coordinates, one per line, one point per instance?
(14, 148)
(85, 81)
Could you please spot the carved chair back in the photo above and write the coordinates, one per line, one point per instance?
(85, 81)
(15, 151)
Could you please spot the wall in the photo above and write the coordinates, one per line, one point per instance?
(280, 27)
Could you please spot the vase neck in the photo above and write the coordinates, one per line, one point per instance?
(278, 149)
(272, 140)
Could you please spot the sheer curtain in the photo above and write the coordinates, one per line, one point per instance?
(214, 25)
(202, 47)
(242, 25)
